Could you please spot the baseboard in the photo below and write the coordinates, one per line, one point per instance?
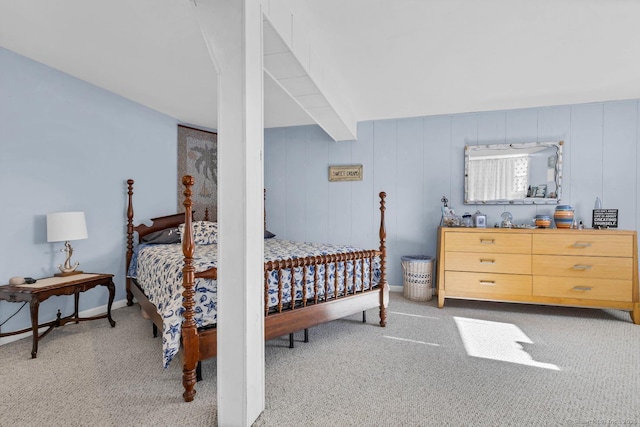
(401, 289)
(96, 311)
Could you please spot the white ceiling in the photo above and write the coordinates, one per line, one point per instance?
(383, 58)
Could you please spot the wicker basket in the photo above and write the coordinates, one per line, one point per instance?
(417, 273)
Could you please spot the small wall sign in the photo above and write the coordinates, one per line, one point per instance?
(605, 218)
(345, 173)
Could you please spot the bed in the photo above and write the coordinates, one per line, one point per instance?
(305, 284)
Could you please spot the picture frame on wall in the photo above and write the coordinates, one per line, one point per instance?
(198, 157)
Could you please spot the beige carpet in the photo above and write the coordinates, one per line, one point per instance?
(415, 372)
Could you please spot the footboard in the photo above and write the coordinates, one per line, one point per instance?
(332, 297)
(358, 277)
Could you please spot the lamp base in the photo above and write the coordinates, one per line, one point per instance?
(68, 269)
(70, 273)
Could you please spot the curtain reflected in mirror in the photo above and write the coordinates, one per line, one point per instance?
(513, 173)
(498, 178)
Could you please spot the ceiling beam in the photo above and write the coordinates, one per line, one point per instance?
(283, 65)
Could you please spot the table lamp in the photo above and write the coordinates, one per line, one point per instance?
(63, 227)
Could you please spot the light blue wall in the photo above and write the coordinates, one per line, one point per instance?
(66, 145)
(418, 160)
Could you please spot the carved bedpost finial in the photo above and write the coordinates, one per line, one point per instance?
(188, 182)
(187, 241)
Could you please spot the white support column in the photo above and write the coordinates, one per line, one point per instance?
(233, 31)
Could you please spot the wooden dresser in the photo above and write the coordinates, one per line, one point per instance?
(580, 268)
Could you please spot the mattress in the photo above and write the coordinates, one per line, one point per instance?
(157, 268)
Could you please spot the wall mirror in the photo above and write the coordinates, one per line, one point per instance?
(525, 173)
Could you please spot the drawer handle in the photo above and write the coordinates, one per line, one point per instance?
(487, 282)
(487, 241)
(581, 288)
(487, 261)
(581, 245)
(582, 267)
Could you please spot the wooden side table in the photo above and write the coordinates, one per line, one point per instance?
(37, 292)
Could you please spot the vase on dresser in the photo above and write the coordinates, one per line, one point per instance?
(563, 216)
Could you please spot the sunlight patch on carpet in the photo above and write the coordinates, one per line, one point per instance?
(412, 315)
(413, 341)
(497, 341)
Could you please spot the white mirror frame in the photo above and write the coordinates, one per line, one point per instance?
(520, 146)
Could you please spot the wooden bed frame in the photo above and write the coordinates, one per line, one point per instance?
(201, 343)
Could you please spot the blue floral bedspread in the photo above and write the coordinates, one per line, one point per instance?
(158, 271)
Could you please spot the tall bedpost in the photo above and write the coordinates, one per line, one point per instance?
(129, 240)
(384, 287)
(189, 332)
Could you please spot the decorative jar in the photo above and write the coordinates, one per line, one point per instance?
(563, 216)
(542, 221)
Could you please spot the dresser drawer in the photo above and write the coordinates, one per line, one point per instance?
(459, 283)
(489, 242)
(488, 262)
(577, 243)
(583, 267)
(590, 289)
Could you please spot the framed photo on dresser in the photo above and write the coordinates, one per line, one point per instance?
(481, 221)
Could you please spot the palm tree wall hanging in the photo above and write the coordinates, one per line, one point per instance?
(198, 156)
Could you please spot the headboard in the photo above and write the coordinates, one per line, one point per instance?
(162, 222)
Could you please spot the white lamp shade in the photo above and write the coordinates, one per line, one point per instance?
(63, 226)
